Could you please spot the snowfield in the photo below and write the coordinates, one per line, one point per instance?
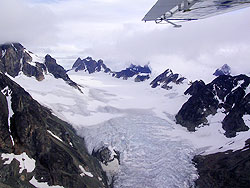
(136, 120)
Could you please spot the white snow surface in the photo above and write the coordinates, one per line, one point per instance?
(57, 137)
(7, 92)
(24, 160)
(84, 172)
(136, 120)
(3, 53)
(37, 184)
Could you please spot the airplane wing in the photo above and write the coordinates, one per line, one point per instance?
(186, 10)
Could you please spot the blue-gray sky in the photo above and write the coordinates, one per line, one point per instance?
(113, 30)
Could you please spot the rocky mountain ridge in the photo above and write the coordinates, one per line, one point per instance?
(230, 93)
(167, 78)
(89, 65)
(31, 133)
(15, 59)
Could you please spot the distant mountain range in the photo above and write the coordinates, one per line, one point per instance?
(137, 72)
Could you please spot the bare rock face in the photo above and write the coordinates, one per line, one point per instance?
(58, 71)
(5, 141)
(224, 70)
(166, 78)
(90, 65)
(225, 169)
(141, 78)
(227, 92)
(10, 57)
(106, 155)
(14, 58)
(140, 73)
(59, 154)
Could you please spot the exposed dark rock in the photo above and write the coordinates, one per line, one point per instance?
(166, 78)
(30, 70)
(225, 169)
(108, 157)
(141, 78)
(195, 87)
(58, 71)
(14, 58)
(33, 128)
(234, 122)
(226, 92)
(141, 73)
(224, 70)
(11, 54)
(197, 108)
(5, 141)
(90, 65)
(104, 155)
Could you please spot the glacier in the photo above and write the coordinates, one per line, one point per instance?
(136, 120)
(148, 157)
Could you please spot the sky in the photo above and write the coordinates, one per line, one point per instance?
(112, 30)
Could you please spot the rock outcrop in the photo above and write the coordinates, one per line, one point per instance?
(224, 70)
(167, 78)
(31, 131)
(58, 71)
(106, 155)
(140, 73)
(109, 159)
(225, 169)
(231, 93)
(91, 66)
(14, 58)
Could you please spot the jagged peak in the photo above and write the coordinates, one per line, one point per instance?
(224, 70)
(12, 44)
(140, 69)
(165, 78)
(88, 58)
(21, 61)
(90, 65)
(50, 58)
(227, 93)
